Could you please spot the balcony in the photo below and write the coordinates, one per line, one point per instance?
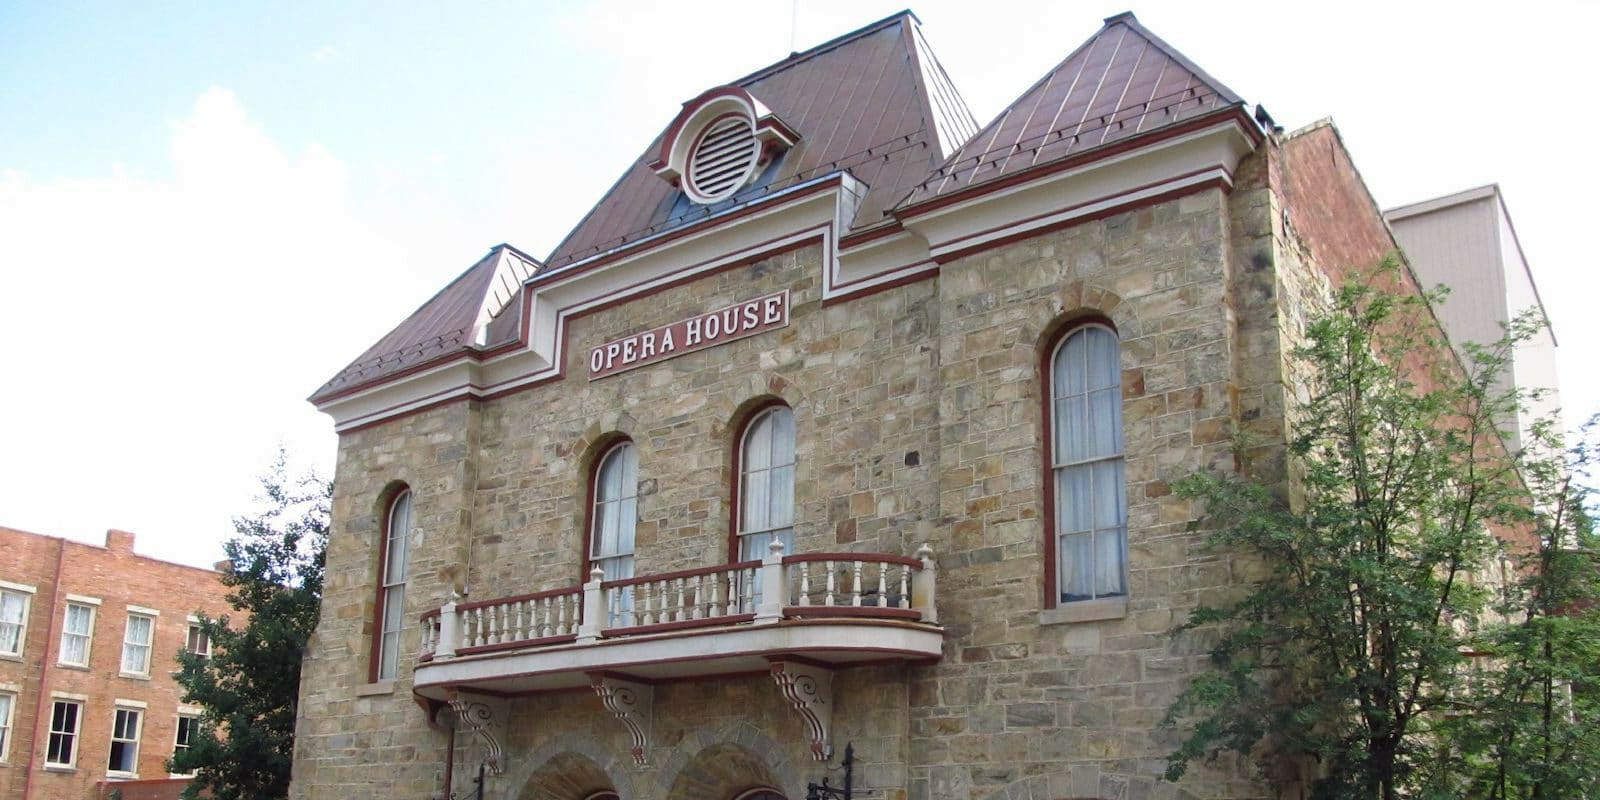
(794, 617)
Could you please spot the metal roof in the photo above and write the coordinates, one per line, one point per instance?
(874, 101)
(440, 327)
(1123, 81)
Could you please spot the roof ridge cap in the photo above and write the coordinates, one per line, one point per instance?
(1127, 18)
(831, 44)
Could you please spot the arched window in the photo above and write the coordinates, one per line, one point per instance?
(766, 483)
(393, 560)
(1087, 466)
(616, 509)
(758, 794)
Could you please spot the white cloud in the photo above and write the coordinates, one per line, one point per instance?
(160, 334)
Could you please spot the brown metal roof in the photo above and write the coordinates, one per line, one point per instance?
(441, 327)
(874, 101)
(1123, 81)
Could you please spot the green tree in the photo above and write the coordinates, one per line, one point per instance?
(1530, 730)
(1348, 665)
(250, 685)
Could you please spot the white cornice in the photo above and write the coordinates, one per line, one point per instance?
(814, 211)
(1204, 156)
(811, 212)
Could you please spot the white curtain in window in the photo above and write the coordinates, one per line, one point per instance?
(616, 510)
(75, 635)
(766, 484)
(1090, 501)
(396, 564)
(136, 645)
(12, 610)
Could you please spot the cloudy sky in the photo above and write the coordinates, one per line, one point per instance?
(208, 209)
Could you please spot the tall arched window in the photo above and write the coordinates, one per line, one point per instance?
(616, 509)
(392, 563)
(766, 483)
(1090, 504)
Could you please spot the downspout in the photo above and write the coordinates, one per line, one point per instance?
(40, 716)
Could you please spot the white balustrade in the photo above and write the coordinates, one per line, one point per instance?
(767, 590)
(680, 597)
(520, 619)
(864, 581)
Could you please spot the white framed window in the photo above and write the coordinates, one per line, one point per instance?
(616, 511)
(137, 636)
(197, 642)
(1090, 503)
(392, 594)
(8, 705)
(77, 634)
(15, 600)
(123, 760)
(65, 718)
(188, 728)
(766, 483)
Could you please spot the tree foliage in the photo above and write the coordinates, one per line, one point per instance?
(1381, 636)
(249, 686)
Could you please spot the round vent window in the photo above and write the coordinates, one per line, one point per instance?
(723, 159)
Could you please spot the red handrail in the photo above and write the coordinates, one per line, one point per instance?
(682, 573)
(516, 598)
(872, 558)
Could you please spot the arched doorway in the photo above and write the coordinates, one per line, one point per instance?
(568, 776)
(725, 771)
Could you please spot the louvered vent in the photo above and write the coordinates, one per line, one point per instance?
(722, 162)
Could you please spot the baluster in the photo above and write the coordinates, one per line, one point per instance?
(855, 585)
(519, 622)
(805, 583)
(883, 578)
(905, 593)
(749, 602)
(827, 599)
(470, 617)
(679, 611)
(697, 611)
(717, 604)
(559, 612)
(497, 623)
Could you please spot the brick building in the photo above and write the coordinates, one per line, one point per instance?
(841, 424)
(89, 638)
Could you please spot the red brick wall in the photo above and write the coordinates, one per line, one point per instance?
(119, 578)
(166, 789)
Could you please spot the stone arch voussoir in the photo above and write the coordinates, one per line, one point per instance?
(726, 759)
(571, 767)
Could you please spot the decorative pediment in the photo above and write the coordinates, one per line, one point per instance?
(718, 142)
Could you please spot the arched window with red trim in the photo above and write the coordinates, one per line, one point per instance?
(1087, 466)
(616, 510)
(393, 562)
(766, 483)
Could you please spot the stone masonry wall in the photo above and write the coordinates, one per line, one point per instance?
(918, 417)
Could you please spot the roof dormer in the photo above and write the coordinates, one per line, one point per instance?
(719, 142)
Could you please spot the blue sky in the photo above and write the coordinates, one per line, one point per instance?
(206, 209)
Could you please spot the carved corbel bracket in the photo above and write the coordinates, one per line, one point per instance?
(485, 716)
(809, 689)
(633, 703)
